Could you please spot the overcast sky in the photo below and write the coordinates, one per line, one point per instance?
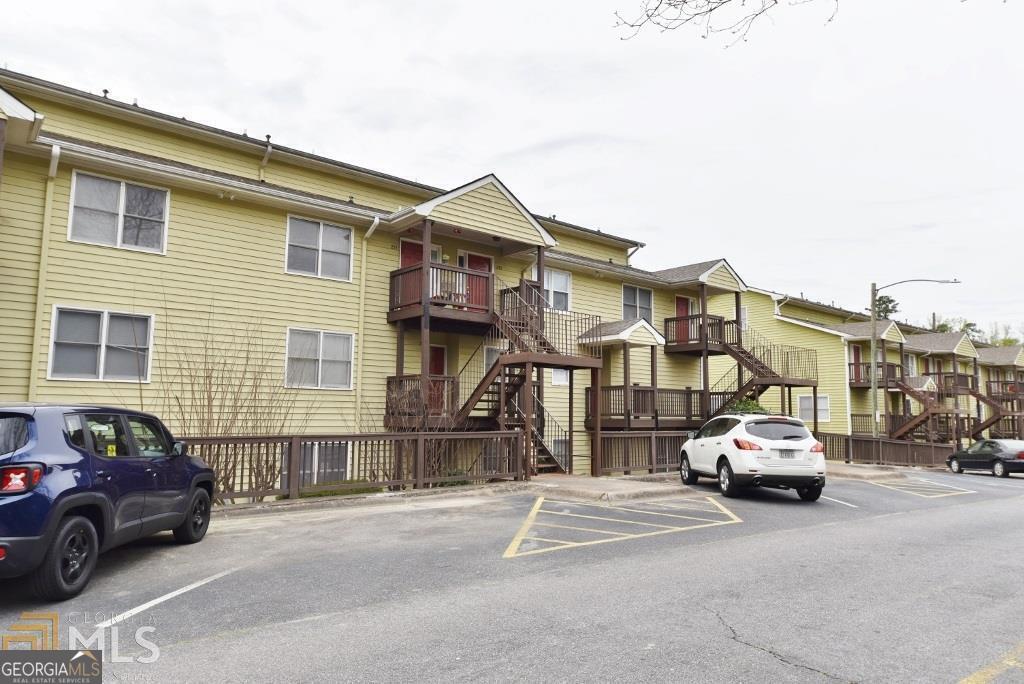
(816, 158)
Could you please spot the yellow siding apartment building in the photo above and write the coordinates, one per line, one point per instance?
(238, 287)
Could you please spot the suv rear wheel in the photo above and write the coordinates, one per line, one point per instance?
(726, 480)
(809, 493)
(69, 561)
(197, 519)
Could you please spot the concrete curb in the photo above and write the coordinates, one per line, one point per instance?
(365, 500)
(579, 494)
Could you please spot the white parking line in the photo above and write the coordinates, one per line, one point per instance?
(166, 597)
(829, 498)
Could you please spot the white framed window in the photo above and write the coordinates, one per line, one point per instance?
(910, 364)
(95, 344)
(637, 302)
(559, 376)
(806, 408)
(744, 318)
(319, 249)
(557, 288)
(319, 359)
(116, 213)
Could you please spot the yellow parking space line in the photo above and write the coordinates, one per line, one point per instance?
(725, 510)
(527, 531)
(641, 535)
(1011, 660)
(581, 529)
(518, 539)
(672, 507)
(617, 520)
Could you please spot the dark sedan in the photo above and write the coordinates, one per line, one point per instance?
(998, 456)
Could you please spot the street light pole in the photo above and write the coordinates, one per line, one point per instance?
(873, 368)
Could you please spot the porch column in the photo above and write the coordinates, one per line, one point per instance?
(627, 394)
(814, 407)
(425, 320)
(705, 370)
(595, 412)
(654, 381)
(528, 417)
(739, 316)
(956, 401)
(572, 401)
(540, 268)
(977, 387)
(502, 405)
(400, 353)
(782, 399)
(885, 388)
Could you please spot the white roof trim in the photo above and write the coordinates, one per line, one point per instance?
(703, 277)
(627, 333)
(425, 208)
(14, 108)
(881, 333)
(812, 326)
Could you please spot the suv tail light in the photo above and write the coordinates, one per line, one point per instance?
(745, 445)
(20, 478)
(818, 448)
(1020, 456)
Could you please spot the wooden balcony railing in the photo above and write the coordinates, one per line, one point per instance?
(953, 381)
(647, 402)
(459, 288)
(690, 330)
(861, 424)
(405, 396)
(887, 373)
(1010, 389)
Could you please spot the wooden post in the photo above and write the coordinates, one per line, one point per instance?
(627, 389)
(400, 354)
(654, 381)
(540, 269)
(814, 407)
(739, 318)
(419, 461)
(595, 412)
(294, 466)
(956, 402)
(527, 407)
(425, 322)
(789, 400)
(654, 452)
(572, 401)
(782, 400)
(705, 370)
(502, 406)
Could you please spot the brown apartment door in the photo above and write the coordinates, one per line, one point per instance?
(856, 358)
(478, 285)
(682, 327)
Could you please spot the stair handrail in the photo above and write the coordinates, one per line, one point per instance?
(784, 360)
(544, 436)
(475, 369)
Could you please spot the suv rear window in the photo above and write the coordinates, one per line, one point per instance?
(777, 429)
(13, 433)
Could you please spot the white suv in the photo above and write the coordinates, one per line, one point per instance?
(754, 449)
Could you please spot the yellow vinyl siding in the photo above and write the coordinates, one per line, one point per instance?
(487, 209)
(573, 243)
(966, 348)
(21, 217)
(722, 279)
(794, 310)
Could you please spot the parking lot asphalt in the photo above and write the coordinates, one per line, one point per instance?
(910, 580)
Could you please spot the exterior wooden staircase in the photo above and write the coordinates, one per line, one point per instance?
(999, 413)
(904, 429)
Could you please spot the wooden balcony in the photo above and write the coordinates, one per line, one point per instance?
(648, 408)
(961, 383)
(1005, 390)
(404, 405)
(455, 294)
(686, 334)
(860, 424)
(887, 374)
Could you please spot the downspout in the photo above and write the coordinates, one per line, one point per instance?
(361, 344)
(44, 254)
(263, 162)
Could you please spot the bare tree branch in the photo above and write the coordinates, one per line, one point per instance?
(735, 17)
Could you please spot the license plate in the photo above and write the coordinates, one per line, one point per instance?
(786, 453)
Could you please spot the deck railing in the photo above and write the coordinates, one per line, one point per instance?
(292, 466)
(882, 451)
(861, 424)
(459, 288)
(647, 402)
(404, 396)
(1005, 388)
(887, 373)
(653, 452)
(690, 329)
(950, 381)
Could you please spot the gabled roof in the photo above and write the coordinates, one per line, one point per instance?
(635, 331)
(698, 273)
(943, 343)
(1012, 355)
(861, 330)
(920, 382)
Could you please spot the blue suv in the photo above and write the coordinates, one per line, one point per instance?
(78, 480)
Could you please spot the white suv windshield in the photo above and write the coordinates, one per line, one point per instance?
(777, 429)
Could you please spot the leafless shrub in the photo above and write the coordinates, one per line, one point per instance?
(735, 17)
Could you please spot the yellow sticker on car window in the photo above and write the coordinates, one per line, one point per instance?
(111, 450)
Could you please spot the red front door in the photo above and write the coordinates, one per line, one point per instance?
(477, 287)
(438, 385)
(682, 327)
(855, 357)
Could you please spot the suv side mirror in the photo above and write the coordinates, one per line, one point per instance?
(179, 449)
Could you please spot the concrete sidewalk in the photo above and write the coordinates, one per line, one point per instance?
(608, 488)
